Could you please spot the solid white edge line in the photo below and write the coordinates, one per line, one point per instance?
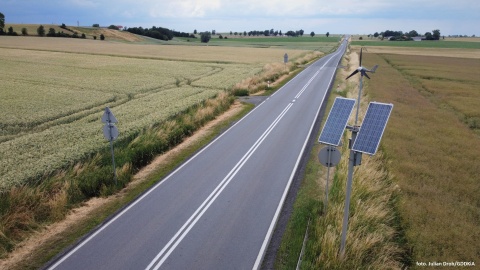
(99, 230)
(82, 243)
(215, 193)
(269, 234)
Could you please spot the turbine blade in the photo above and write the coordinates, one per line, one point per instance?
(374, 68)
(366, 75)
(353, 73)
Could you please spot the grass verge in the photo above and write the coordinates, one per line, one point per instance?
(68, 237)
(374, 239)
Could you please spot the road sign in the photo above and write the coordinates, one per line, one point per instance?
(329, 156)
(108, 116)
(285, 58)
(110, 132)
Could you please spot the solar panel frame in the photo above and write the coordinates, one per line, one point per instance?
(337, 121)
(373, 127)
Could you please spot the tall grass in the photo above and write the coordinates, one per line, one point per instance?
(374, 238)
(433, 156)
(25, 208)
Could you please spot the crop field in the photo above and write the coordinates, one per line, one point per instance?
(432, 144)
(54, 91)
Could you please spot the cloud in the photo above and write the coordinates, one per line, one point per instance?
(83, 3)
(184, 8)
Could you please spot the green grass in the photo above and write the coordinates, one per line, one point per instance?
(421, 44)
(373, 240)
(58, 243)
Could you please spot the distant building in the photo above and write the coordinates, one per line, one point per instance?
(418, 38)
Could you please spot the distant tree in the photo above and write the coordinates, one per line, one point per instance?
(327, 34)
(214, 32)
(245, 33)
(205, 37)
(96, 25)
(63, 26)
(436, 34)
(360, 38)
(24, 31)
(195, 31)
(266, 33)
(51, 32)
(41, 31)
(102, 37)
(230, 33)
(114, 27)
(10, 31)
(280, 33)
(2, 21)
(428, 36)
(312, 34)
(301, 32)
(220, 36)
(95, 37)
(376, 34)
(413, 33)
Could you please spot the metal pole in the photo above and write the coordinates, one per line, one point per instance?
(328, 177)
(351, 161)
(358, 100)
(113, 156)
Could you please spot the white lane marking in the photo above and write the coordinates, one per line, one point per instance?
(103, 227)
(313, 77)
(177, 238)
(269, 234)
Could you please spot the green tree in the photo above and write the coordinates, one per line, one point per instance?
(195, 31)
(41, 31)
(376, 34)
(51, 32)
(413, 33)
(327, 34)
(96, 25)
(436, 34)
(312, 34)
(24, 31)
(2, 21)
(205, 37)
(428, 36)
(10, 31)
(102, 37)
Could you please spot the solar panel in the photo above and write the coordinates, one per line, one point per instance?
(372, 128)
(337, 121)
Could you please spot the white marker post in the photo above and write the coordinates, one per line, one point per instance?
(110, 132)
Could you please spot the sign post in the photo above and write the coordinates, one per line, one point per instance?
(285, 60)
(110, 132)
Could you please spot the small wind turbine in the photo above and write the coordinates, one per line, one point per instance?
(363, 72)
(355, 157)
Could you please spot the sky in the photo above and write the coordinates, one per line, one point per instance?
(457, 17)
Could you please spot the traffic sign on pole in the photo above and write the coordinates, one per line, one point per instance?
(110, 132)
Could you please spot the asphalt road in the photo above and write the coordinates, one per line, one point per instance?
(219, 209)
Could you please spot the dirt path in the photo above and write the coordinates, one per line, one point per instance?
(27, 247)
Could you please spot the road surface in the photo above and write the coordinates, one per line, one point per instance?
(219, 209)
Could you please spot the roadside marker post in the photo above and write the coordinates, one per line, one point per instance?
(110, 132)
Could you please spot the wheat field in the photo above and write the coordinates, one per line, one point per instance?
(54, 91)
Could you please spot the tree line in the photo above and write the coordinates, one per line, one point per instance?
(158, 33)
(405, 36)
